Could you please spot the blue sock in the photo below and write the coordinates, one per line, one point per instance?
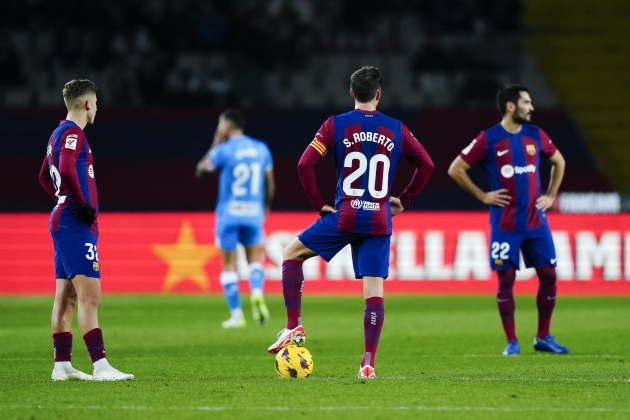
(229, 281)
(256, 278)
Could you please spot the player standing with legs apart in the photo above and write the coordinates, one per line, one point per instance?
(67, 174)
(246, 188)
(510, 154)
(366, 147)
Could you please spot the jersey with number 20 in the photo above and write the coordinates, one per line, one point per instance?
(242, 162)
(366, 147)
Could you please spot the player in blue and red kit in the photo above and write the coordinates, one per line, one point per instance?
(67, 174)
(366, 147)
(510, 154)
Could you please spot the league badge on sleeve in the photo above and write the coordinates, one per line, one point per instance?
(71, 141)
(530, 149)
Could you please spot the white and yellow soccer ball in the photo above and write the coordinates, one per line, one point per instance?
(294, 362)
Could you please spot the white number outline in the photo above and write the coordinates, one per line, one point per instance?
(56, 179)
(92, 252)
(363, 167)
(243, 173)
(503, 247)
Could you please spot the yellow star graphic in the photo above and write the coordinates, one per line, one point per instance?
(185, 259)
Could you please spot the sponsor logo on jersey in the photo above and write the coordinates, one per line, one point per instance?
(71, 141)
(508, 171)
(372, 137)
(96, 266)
(49, 150)
(530, 149)
(502, 152)
(365, 205)
(91, 171)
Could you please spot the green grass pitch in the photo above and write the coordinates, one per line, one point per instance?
(439, 357)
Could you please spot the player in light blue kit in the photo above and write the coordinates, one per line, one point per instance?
(246, 188)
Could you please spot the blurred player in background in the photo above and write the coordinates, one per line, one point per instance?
(246, 189)
(67, 174)
(510, 154)
(366, 147)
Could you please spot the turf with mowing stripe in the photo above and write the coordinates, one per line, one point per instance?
(439, 358)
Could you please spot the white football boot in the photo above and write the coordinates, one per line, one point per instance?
(103, 371)
(63, 371)
(234, 322)
(287, 337)
(367, 372)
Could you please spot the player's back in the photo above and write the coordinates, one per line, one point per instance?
(367, 149)
(243, 162)
(69, 139)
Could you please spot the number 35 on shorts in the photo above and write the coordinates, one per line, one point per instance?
(92, 255)
(499, 251)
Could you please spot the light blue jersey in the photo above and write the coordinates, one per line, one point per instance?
(242, 162)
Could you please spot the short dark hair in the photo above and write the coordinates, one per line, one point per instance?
(235, 117)
(510, 93)
(78, 87)
(365, 82)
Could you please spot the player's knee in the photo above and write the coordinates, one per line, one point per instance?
(90, 299)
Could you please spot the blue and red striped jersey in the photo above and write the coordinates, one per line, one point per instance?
(512, 161)
(366, 147)
(70, 177)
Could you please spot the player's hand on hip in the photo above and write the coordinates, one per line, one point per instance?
(544, 202)
(394, 206)
(497, 198)
(326, 209)
(86, 214)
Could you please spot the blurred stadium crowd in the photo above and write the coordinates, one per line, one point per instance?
(292, 53)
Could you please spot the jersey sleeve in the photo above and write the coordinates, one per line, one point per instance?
(268, 159)
(215, 158)
(325, 137)
(548, 148)
(476, 150)
(46, 180)
(72, 142)
(417, 155)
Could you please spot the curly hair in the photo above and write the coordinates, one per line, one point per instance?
(78, 87)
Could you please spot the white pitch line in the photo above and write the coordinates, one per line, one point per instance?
(324, 408)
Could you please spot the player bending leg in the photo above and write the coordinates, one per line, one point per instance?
(244, 199)
(366, 147)
(67, 174)
(510, 154)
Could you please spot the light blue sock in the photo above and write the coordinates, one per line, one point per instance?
(256, 278)
(229, 281)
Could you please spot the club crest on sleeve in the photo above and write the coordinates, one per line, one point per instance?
(530, 149)
(71, 141)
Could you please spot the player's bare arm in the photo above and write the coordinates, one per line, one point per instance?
(458, 171)
(545, 201)
(270, 190)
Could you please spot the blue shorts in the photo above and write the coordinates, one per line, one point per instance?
(75, 253)
(536, 245)
(370, 253)
(228, 236)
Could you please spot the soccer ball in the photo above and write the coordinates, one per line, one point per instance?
(294, 362)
